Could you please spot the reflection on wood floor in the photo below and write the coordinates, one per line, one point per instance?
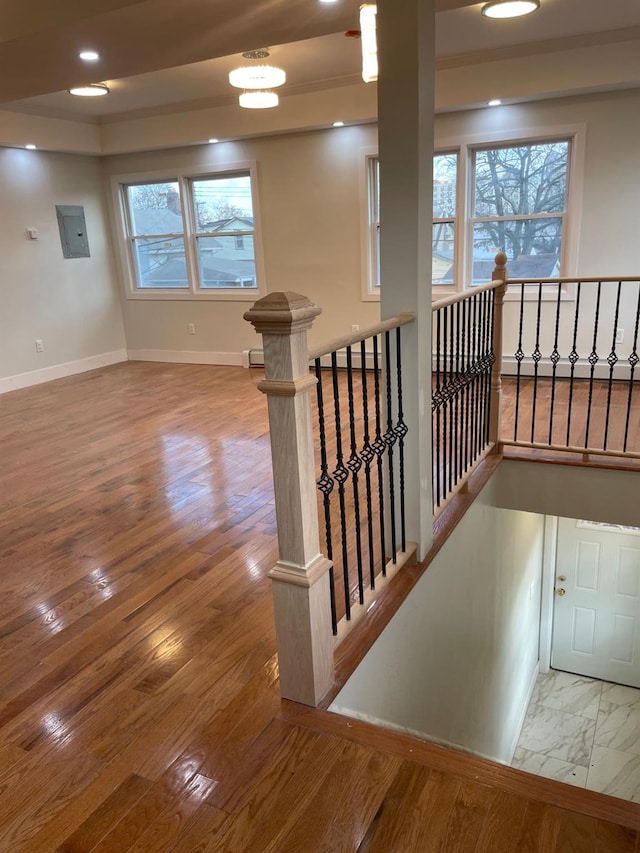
(139, 683)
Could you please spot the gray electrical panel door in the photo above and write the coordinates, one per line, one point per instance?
(73, 230)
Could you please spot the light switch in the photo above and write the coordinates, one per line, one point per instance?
(32, 233)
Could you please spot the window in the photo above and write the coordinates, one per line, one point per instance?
(498, 196)
(191, 236)
(519, 207)
(443, 244)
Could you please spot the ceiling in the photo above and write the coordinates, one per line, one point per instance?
(163, 55)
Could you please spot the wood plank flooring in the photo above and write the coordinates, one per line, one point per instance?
(139, 702)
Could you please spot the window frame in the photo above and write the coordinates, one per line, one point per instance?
(465, 145)
(185, 178)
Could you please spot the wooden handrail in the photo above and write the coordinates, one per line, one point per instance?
(576, 279)
(466, 294)
(356, 337)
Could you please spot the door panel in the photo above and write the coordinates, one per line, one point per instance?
(596, 629)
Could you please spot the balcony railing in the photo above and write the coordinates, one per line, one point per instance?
(532, 364)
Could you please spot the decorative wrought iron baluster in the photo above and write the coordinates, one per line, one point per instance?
(457, 387)
(340, 475)
(519, 356)
(379, 448)
(445, 399)
(367, 455)
(467, 375)
(593, 360)
(490, 358)
(573, 360)
(451, 386)
(633, 362)
(390, 440)
(400, 431)
(536, 355)
(325, 485)
(476, 376)
(354, 464)
(612, 360)
(555, 358)
(436, 405)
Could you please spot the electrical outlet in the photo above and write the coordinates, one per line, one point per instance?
(619, 335)
(39, 346)
(355, 328)
(191, 328)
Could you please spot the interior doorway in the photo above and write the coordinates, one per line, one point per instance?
(596, 601)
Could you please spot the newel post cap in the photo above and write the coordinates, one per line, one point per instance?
(282, 313)
(500, 271)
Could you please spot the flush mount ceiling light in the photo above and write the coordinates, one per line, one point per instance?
(90, 90)
(261, 99)
(368, 13)
(510, 8)
(257, 77)
(89, 56)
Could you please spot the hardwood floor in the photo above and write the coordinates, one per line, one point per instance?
(139, 703)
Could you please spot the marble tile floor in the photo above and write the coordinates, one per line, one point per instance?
(584, 732)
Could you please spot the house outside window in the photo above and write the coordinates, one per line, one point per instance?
(191, 236)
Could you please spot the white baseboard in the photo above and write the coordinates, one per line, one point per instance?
(523, 713)
(172, 356)
(59, 371)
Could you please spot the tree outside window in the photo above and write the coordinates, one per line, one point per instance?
(520, 201)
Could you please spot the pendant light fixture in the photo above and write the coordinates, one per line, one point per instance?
(257, 82)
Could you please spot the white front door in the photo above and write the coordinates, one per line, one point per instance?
(596, 619)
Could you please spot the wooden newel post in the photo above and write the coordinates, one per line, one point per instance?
(300, 577)
(499, 274)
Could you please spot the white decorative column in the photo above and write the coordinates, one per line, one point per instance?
(499, 274)
(300, 577)
(406, 56)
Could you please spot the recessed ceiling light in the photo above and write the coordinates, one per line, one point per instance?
(260, 100)
(30, 146)
(89, 56)
(90, 90)
(510, 8)
(257, 77)
(495, 102)
(338, 124)
(213, 141)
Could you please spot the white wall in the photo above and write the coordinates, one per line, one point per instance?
(309, 193)
(311, 197)
(71, 305)
(457, 662)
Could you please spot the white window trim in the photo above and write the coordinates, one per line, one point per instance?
(464, 146)
(576, 134)
(184, 178)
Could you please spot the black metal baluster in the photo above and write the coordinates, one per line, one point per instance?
(555, 358)
(490, 358)
(354, 464)
(341, 475)
(464, 391)
(633, 361)
(367, 454)
(437, 403)
(379, 447)
(612, 359)
(445, 394)
(536, 356)
(474, 377)
(573, 359)
(325, 485)
(466, 343)
(519, 355)
(401, 431)
(390, 440)
(451, 394)
(458, 419)
(593, 360)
